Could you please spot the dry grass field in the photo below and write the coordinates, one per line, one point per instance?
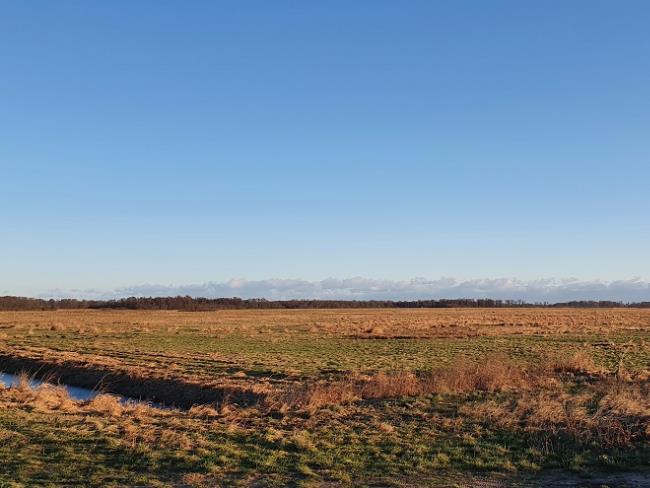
(444, 397)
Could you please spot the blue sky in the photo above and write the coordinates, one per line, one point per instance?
(191, 142)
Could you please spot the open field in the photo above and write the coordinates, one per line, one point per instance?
(388, 397)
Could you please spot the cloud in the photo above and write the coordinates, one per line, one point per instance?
(358, 288)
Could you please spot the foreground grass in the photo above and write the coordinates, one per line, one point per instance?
(426, 440)
(341, 398)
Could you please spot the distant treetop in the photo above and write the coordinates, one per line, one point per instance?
(187, 303)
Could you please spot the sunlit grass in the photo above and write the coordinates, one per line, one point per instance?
(347, 398)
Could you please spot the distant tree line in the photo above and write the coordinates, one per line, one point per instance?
(187, 303)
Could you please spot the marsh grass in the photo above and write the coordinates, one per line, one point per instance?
(325, 398)
(516, 424)
(459, 377)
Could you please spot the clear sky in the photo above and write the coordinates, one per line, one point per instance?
(187, 142)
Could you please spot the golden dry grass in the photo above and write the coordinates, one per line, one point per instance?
(328, 397)
(346, 322)
(251, 354)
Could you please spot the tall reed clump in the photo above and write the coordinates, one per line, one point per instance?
(459, 377)
(44, 397)
(499, 374)
(612, 415)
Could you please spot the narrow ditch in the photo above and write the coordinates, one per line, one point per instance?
(163, 391)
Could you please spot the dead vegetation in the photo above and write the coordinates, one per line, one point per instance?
(542, 398)
(394, 391)
(562, 406)
(43, 398)
(460, 377)
(178, 370)
(362, 323)
(132, 382)
(613, 414)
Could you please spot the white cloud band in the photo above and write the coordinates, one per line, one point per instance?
(549, 290)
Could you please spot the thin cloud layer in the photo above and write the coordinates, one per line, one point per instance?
(542, 290)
